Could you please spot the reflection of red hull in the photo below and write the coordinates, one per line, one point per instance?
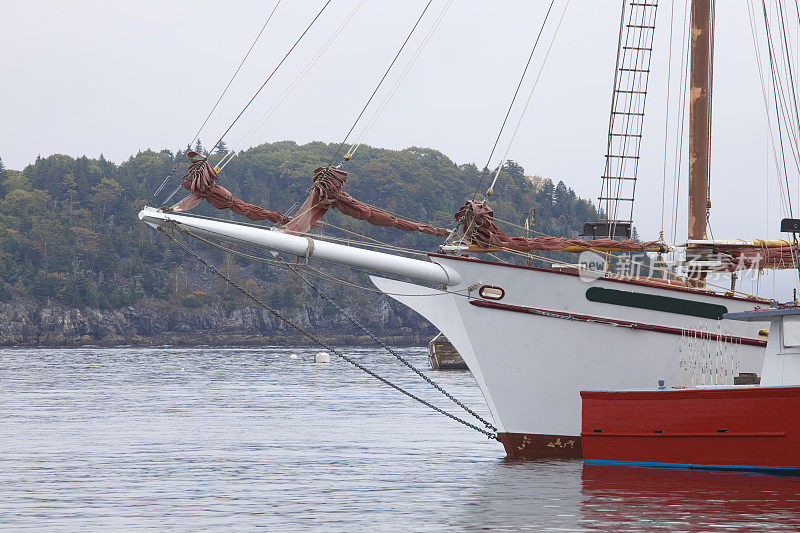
(623, 498)
(736, 428)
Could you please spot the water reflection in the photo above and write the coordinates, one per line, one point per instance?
(636, 498)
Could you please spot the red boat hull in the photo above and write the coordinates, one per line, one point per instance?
(728, 428)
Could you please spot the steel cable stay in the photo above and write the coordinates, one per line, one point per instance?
(513, 100)
(258, 124)
(485, 171)
(680, 123)
(666, 121)
(403, 74)
(768, 114)
(224, 91)
(321, 342)
(271, 74)
(264, 84)
(781, 103)
(335, 154)
(528, 101)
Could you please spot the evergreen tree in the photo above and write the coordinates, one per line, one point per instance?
(222, 148)
(3, 176)
(68, 230)
(198, 147)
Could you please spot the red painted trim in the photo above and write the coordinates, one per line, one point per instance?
(615, 322)
(614, 280)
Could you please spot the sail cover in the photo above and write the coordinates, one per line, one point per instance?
(477, 223)
(201, 179)
(476, 218)
(326, 193)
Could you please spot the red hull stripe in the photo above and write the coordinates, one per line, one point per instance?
(612, 280)
(615, 322)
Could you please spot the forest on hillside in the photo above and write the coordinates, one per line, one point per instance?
(70, 231)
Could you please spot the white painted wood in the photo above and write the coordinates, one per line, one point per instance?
(791, 331)
(531, 368)
(305, 247)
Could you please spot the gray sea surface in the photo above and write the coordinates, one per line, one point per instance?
(206, 439)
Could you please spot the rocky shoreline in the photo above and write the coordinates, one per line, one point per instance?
(153, 323)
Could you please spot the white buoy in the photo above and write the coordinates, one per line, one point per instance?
(293, 356)
(322, 357)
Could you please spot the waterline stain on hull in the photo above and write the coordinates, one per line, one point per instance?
(522, 446)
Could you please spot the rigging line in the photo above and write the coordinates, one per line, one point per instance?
(759, 63)
(788, 119)
(318, 340)
(775, 93)
(794, 98)
(666, 122)
(196, 135)
(513, 99)
(386, 73)
(680, 125)
(271, 74)
(710, 122)
(791, 87)
(371, 123)
(257, 125)
(646, 76)
(630, 100)
(530, 96)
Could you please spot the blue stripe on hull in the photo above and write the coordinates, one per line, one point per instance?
(766, 469)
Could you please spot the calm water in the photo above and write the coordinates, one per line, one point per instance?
(177, 439)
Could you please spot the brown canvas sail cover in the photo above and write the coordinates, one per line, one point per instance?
(477, 222)
(476, 217)
(200, 181)
(327, 193)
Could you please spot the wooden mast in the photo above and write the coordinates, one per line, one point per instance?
(699, 118)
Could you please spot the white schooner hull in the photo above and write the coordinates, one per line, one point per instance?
(538, 337)
(534, 349)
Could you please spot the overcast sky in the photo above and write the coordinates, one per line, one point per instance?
(92, 77)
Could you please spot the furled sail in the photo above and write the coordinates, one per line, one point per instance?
(201, 179)
(326, 193)
(477, 222)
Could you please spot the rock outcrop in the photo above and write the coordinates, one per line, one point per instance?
(26, 323)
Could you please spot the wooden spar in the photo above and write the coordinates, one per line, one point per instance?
(699, 118)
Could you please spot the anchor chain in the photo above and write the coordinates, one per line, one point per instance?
(314, 338)
(396, 355)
